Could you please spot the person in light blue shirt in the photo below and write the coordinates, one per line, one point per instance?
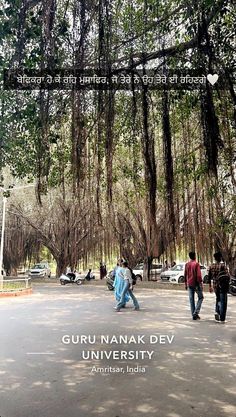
(119, 282)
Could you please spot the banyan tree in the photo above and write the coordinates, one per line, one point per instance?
(146, 172)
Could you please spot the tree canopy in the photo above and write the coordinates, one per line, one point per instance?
(147, 173)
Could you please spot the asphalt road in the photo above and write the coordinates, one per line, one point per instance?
(194, 376)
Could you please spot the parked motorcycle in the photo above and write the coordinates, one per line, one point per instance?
(232, 286)
(71, 278)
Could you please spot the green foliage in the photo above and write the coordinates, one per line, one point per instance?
(36, 130)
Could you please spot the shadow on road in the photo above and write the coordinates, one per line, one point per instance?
(194, 376)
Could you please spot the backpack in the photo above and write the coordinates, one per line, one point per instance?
(223, 280)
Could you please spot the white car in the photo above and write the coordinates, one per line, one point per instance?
(154, 271)
(175, 275)
(40, 270)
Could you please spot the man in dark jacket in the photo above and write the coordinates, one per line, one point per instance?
(219, 276)
(193, 282)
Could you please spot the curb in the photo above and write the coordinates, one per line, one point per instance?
(146, 284)
(141, 284)
(16, 293)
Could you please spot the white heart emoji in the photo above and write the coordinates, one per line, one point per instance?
(212, 78)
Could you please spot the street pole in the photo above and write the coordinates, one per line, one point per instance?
(2, 239)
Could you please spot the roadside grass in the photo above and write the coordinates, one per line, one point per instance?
(10, 285)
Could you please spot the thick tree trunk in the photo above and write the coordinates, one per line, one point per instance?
(61, 265)
(148, 150)
(147, 268)
(169, 171)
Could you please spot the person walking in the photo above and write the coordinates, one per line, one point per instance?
(127, 288)
(165, 266)
(219, 276)
(193, 282)
(119, 282)
(102, 270)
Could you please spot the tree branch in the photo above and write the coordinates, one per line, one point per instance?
(173, 50)
(151, 26)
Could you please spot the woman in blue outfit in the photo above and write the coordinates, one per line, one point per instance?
(127, 288)
(119, 283)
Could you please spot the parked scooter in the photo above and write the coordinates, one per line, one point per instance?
(71, 278)
(232, 286)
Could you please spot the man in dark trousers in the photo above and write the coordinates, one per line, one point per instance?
(193, 282)
(102, 270)
(219, 275)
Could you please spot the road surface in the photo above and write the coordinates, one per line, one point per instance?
(191, 372)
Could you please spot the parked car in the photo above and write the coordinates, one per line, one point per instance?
(232, 285)
(40, 270)
(154, 271)
(110, 280)
(175, 275)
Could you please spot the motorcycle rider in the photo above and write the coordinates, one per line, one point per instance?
(90, 275)
(70, 274)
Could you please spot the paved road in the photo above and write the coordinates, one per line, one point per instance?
(192, 377)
